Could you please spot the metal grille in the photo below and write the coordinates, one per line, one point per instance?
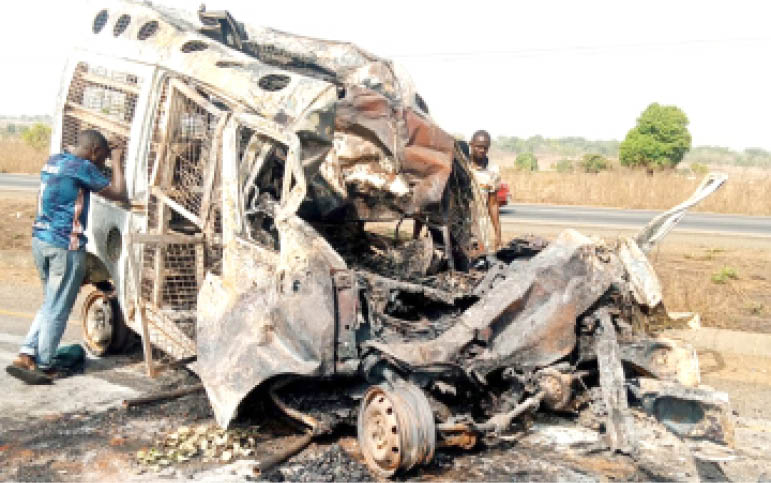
(178, 289)
(189, 146)
(100, 99)
(180, 159)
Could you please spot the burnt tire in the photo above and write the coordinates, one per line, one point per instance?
(104, 331)
(396, 429)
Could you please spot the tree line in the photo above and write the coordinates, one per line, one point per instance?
(659, 140)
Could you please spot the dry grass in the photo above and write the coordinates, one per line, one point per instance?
(746, 193)
(17, 157)
(691, 281)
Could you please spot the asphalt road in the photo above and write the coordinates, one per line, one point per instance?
(19, 182)
(615, 218)
(559, 215)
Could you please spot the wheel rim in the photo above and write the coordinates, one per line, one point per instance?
(396, 429)
(381, 433)
(98, 322)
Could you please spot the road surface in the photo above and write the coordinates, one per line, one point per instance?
(19, 182)
(616, 218)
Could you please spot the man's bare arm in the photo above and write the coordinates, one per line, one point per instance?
(494, 210)
(116, 190)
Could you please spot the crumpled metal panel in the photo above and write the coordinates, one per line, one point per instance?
(284, 323)
(418, 146)
(643, 281)
(662, 224)
(700, 413)
(351, 64)
(665, 359)
(528, 320)
(234, 74)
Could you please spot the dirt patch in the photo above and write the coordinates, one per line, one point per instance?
(728, 286)
(17, 212)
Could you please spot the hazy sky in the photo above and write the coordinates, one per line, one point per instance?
(555, 68)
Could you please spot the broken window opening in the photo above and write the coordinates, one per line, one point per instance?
(261, 173)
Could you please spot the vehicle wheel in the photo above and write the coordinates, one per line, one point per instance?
(396, 429)
(103, 327)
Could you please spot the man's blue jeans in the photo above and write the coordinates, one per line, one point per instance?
(61, 272)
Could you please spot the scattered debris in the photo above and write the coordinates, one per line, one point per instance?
(208, 442)
(130, 403)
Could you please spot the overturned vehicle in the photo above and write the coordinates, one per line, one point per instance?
(269, 176)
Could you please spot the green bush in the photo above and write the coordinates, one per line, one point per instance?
(725, 274)
(594, 163)
(699, 168)
(37, 136)
(659, 140)
(564, 166)
(526, 162)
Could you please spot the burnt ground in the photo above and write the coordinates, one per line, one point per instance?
(103, 444)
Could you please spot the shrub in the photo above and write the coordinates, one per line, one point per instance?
(37, 136)
(526, 162)
(594, 163)
(725, 274)
(564, 166)
(699, 168)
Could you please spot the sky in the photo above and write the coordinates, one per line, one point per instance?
(553, 67)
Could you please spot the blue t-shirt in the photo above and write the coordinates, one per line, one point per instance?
(66, 183)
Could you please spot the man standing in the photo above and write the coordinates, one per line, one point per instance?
(58, 243)
(488, 177)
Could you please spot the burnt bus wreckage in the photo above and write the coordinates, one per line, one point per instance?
(256, 162)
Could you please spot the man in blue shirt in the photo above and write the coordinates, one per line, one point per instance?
(58, 244)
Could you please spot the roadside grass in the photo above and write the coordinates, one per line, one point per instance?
(723, 275)
(18, 157)
(707, 282)
(747, 193)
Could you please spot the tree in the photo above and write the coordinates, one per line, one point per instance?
(37, 136)
(594, 163)
(659, 140)
(526, 162)
(564, 166)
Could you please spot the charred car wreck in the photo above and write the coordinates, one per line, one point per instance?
(258, 163)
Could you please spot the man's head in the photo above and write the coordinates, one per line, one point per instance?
(92, 146)
(480, 144)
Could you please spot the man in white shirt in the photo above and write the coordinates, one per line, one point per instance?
(488, 177)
